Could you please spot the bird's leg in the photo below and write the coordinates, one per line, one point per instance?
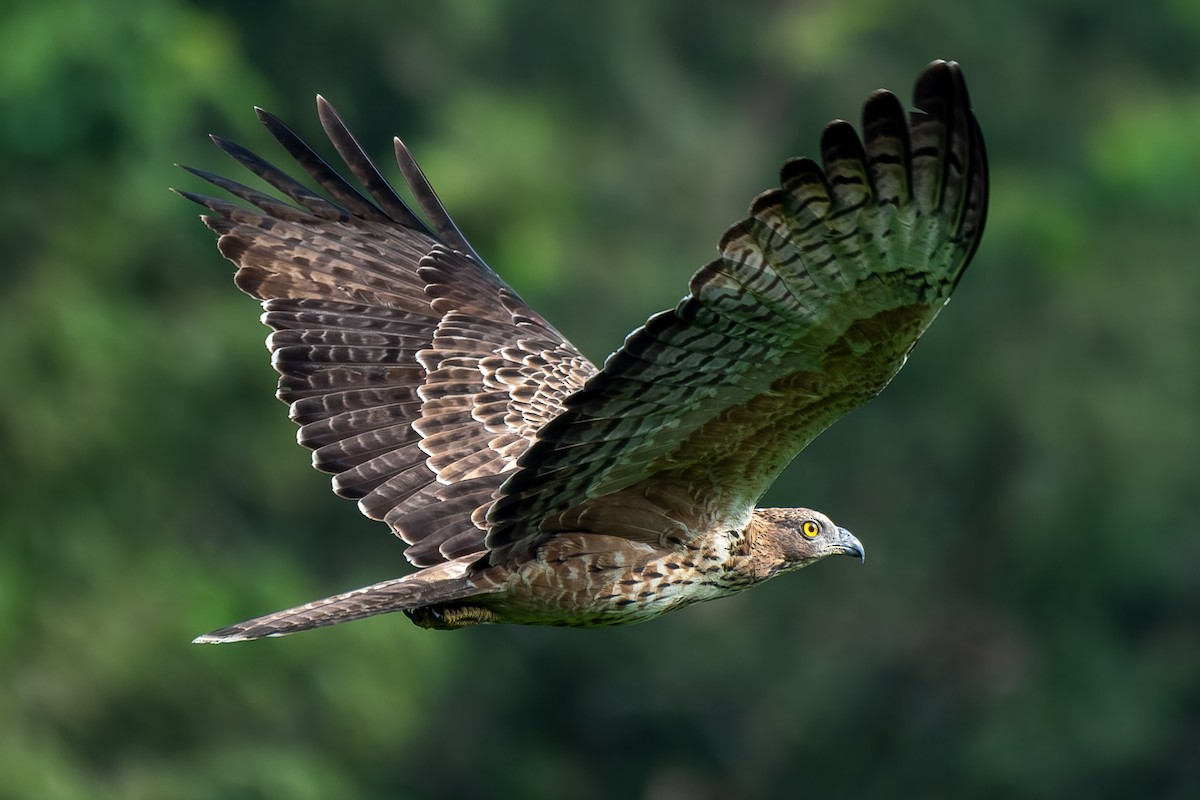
(449, 617)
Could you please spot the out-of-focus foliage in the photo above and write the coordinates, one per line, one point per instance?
(1028, 623)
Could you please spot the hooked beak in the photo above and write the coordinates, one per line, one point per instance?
(849, 544)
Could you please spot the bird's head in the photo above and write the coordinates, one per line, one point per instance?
(802, 536)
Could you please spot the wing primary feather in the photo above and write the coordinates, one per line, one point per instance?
(261, 200)
(978, 198)
(429, 202)
(211, 203)
(319, 170)
(885, 139)
(845, 166)
(364, 169)
(295, 190)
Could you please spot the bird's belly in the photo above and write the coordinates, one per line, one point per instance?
(590, 590)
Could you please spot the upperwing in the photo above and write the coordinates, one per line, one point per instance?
(813, 305)
(417, 375)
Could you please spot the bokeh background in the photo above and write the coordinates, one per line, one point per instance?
(1028, 622)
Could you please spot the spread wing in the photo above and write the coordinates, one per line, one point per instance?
(417, 376)
(813, 305)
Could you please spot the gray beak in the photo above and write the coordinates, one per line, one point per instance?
(849, 544)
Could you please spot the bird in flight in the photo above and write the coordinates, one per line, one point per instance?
(532, 487)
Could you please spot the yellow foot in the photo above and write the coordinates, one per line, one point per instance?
(446, 618)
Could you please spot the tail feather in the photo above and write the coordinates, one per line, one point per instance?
(399, 594)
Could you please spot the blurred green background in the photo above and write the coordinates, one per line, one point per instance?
(1028, 623)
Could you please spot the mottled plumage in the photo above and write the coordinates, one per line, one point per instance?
(532, 487)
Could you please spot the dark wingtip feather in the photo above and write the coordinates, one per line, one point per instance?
(882, 107)
(222, 207)
(802, 169)
(325, 109)
(364, 169)
(839, 141)
(319, 170)
(232, 148)
(941, 92)
(886, 142)
(937, 82)
(429, 202)
(198, 199)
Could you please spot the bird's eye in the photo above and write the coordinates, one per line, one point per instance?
(810, 529)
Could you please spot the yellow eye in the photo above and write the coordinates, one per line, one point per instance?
(810, 529)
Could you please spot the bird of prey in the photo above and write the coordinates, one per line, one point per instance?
(532, 487)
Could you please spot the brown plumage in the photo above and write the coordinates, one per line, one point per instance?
(532, 487)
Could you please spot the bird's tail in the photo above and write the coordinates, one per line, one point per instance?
(399, 594)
